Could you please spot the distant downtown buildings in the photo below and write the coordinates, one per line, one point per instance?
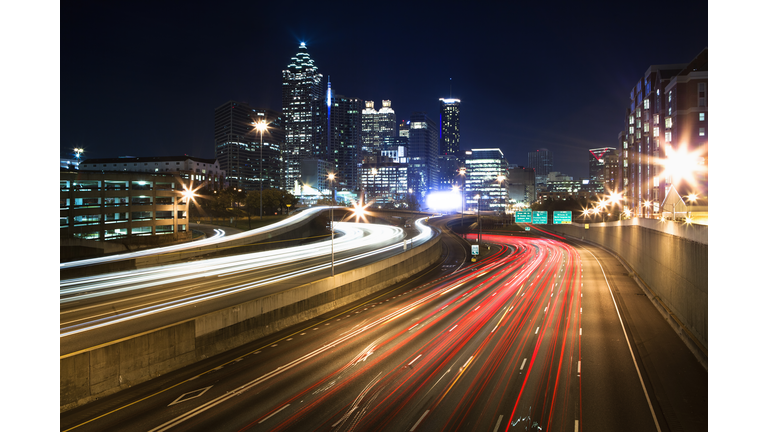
(319, 129)
(323, 130)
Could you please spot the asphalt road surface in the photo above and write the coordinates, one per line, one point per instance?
(539, 334)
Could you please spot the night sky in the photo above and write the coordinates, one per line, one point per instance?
(144, 80)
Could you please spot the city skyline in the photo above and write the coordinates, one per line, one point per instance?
(562, 84)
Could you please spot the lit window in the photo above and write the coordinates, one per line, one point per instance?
(668, 122)
(655, 119)
(702, 117)
(656, 131)
(702, 132)
(668, 136)
(646, 104)
(646, 127)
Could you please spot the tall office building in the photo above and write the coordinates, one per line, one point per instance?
(343, 145)
(303, 114)
(237, 146)
(422, 151)
(482, 188)
(541, 162)
(521, 184)
(376, 126)
(449, 127)
(597, 167)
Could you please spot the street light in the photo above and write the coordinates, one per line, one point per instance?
(647, 205)
(332, 177)
(479, 220)
(463, 174)
(261, 126)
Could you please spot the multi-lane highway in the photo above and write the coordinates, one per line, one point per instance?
(528, 338)
(105, 307)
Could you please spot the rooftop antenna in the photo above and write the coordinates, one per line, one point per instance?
(450, 88)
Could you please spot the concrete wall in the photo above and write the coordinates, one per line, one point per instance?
(86, 376)
(673, 268)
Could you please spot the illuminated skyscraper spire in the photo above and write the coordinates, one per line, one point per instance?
(302, 111)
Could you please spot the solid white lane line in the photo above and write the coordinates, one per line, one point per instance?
(642, 383)
(420, 419)
(537, 330)
(270, 416)
(453, 328)
(576, 427)
(414, 360)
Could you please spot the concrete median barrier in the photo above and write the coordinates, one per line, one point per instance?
(100, 371)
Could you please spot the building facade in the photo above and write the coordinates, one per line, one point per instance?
(376, 125)
(303, 114)
(423, 143)
(666, 120)
(193, 172)
(483, 188)
(343, 145)
(597, 166)
(385, 182)
(521, 184)
(251, 159)
(541, 161)
(110, 205)
(450, 130)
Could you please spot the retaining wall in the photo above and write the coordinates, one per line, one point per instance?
(673, 268)
(89, 375)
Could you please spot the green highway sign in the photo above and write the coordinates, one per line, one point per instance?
(561, 217)
(523, 216)
(540, 217)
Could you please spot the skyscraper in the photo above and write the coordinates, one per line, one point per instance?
(236, 145)
(449, 127)
(483, 189)
(344, 142)
(422, 151)
(597, 169)
(541, 162)
(302, 112)
(376, 126)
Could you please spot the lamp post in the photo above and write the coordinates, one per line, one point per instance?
(261, 126)
(500, 179)
(479, 220)
(463, 174)
(332, 177)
